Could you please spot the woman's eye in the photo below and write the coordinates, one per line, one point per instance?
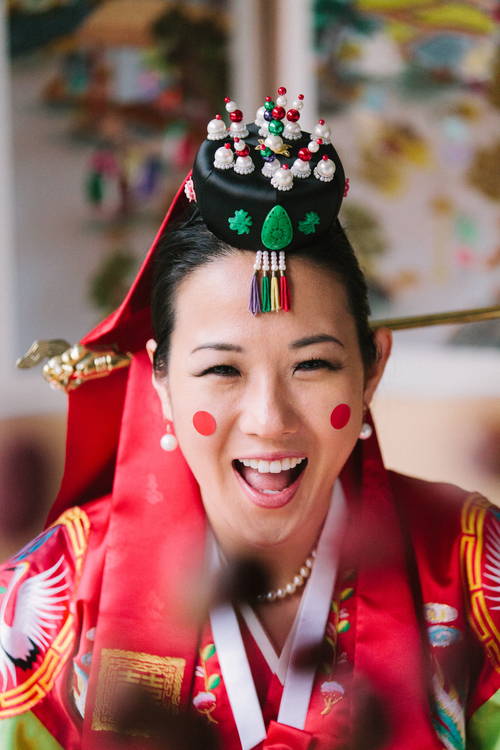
(317, 364)
(224, 370)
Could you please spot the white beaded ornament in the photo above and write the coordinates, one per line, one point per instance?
(274, 142)
(259, 117)
(325, 170)
(322, 130)
(366, 431)
(216, 129)
(301, 169)
(224, 157)
(282, 178)
(292, 131)
(270, 167)
(168, 441)
(244, 165)
(238, 130)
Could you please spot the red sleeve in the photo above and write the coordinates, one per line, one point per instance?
(40, 618)
(480, 554)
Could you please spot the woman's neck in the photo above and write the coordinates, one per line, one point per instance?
(281, 561)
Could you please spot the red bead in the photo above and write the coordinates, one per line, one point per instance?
(236, 116)
(321, 122)
(227, 145)
(319, 140)
(227, 99)
(218, 117)
(325, 157)
(304, 154)
(244, 152)
(236, 139)
(293, 115)
(282, 91)
(300, 96)
(285, 166)
(267, 99)
(278, 113)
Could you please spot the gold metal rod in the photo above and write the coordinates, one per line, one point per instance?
(438, 319)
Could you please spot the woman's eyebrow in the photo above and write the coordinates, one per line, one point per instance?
(219, 347)
(319, 338)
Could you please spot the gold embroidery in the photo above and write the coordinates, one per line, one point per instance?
(160, 676)
(471, 551)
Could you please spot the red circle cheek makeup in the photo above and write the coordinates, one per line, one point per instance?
(204, 423)
(340, 416)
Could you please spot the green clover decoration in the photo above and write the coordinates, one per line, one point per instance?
(309, 223)
(240, 222)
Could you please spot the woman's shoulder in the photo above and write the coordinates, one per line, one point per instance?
(455, 536)
(67, 537)
(438, 507)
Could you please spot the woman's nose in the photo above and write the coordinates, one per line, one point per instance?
(267, 411)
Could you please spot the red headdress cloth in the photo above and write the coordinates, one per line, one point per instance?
(113, 450)
(95, 410)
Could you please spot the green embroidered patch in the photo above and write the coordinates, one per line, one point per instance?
(309, 223)
(277, 230)
(240, 222)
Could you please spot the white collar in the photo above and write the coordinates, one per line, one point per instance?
(308, 628)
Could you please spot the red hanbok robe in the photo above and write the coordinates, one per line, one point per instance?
(412, 645)
(415, 628)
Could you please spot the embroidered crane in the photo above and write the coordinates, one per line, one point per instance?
(38, 609)
(493, 560)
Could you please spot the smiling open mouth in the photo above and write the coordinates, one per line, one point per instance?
(270, 483)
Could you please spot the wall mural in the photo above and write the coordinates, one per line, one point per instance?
(414, 91)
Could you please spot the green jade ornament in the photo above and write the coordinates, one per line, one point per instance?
(277, 230)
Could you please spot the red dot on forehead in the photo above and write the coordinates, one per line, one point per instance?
(204, 423)
(340, 416)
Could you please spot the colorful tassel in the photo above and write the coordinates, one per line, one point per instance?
(254, 302)
(266, 296)
(275, 294)
(265, 291)
(254, 305)
(284, 291)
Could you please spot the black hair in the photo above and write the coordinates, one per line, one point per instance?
(188, 245)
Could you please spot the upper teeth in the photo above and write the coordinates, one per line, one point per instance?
(271, 467)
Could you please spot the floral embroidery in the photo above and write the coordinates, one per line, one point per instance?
(205, 701)
(332, 693)
(331, 690)
(437, 612)
(442, 635)
(309, 223)
(240, 222)
(448, 719)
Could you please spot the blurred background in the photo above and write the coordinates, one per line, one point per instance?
(103, 103)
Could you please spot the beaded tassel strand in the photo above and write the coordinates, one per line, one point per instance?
(265, 293)
(254, 303)
(275, 292)
(284, 290)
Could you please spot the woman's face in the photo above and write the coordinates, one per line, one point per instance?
(250, 395)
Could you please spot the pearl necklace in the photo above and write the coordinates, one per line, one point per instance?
(290, 588)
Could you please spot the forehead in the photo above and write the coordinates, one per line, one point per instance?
(213, 300)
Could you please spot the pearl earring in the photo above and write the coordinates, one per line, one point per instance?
(168, 441)
(366, 431)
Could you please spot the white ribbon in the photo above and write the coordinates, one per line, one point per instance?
(308, 629)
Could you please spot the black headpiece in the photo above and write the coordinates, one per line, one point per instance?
(268, 187)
